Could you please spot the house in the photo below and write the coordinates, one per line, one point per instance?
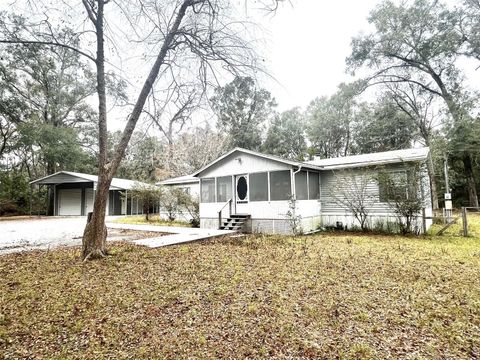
(74, 194)
(190, 185)
(248, 190)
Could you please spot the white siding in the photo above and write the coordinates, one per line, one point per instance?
(247, 164)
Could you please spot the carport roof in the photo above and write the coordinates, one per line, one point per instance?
(63, 177)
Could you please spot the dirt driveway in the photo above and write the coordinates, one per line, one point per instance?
(49, 232)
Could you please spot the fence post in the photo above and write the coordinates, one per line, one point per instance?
(424, 222)
(464, 221)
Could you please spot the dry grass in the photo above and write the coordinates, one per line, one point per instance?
(323, 296)
(153, 220)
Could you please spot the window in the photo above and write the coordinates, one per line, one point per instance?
(258, 186)
(392, 185)
(186, 190)
(301, 188)
(280, 185)
(208, 190)
(313, 186)
(224, 188)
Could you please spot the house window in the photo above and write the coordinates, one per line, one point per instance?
(258, 186)
(186, 190)
(301, 188)
(280, 185)
(313, 186)
(208, 190)
(392, 185)
(224, 188)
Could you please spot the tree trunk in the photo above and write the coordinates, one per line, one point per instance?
(433, 183)
(50, 192)
(95, 234)
(472, 191)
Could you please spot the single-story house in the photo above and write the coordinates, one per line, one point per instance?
(188, 183)
(74, 194)
(248, 190)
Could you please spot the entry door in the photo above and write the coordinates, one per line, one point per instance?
(241, 194)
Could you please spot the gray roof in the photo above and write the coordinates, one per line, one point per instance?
(62, 177)
(266, 156)
(380, 158)
(187, 179)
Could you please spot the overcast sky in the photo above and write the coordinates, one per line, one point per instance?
(307, 46)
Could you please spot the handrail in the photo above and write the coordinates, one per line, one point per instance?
(228, 202)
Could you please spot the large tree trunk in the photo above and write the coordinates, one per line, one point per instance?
(472, 191)
(95, 233)
(433, 183)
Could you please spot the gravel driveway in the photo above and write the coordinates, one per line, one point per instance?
(49, 232)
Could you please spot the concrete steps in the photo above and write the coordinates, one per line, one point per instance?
(235, 222)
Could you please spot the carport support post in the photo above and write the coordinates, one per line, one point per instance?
(31, 198)
(54, 199)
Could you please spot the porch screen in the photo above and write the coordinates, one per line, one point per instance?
(224, 188)
(208, 190)
(280, 185)
(258, 186)
(301, 189)
(313, 185)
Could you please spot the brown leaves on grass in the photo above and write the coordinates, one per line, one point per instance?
(344, 297)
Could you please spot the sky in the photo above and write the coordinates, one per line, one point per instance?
(307, 43)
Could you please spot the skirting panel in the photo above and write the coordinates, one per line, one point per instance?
(267, 226)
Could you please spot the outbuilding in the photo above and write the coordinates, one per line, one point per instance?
(74, 194)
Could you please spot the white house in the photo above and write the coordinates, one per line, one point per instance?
(189, 184)
(248, 190)
(74, 194)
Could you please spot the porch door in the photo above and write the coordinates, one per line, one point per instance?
(241, 194)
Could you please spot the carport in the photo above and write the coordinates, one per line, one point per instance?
(74, 194)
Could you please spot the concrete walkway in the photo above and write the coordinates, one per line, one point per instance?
(179, 235)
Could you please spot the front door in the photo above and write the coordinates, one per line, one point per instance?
(241, 194)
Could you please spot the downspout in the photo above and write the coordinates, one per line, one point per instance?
(293, 181)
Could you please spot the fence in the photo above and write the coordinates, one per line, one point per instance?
(465, 211)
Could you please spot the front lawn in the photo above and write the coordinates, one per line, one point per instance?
(325, 296)
(152, 220)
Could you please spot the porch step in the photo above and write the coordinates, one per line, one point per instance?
(235, 222)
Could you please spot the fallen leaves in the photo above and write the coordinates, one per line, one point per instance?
(255, 297)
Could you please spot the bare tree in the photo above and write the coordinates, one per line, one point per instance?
(172, 112)
(200, 33)
(404, 194)
(420, 106)
(194, 150)
(351, 190)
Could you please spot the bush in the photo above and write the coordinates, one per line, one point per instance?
(8, 207)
